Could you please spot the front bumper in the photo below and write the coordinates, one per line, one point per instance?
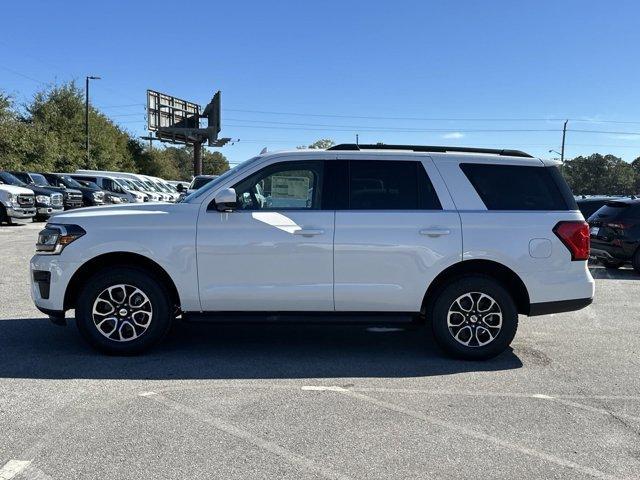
(49, 210)
(21, 212)
(72, 205)
(50, 277)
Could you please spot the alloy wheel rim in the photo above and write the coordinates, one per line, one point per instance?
(474, 319)
(122, 312)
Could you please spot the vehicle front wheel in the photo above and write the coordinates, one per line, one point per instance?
(635, 261)
(4, 218)
(123, 311)
(474, 318)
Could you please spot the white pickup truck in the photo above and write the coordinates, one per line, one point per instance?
(16, 203)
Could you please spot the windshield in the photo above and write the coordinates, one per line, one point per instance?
(87, 183)
(162, 187)
(9, 179)
(70, 182)
(151, 187)
(130, 184)
(199, 182)
(39, 180)
(140, 185)
(222, 178)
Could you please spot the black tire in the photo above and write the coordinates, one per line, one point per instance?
(474, 326)
(635, 261)
(611, 265)
(4, 218)
(158, 298)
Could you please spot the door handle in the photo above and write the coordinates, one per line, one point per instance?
(308, 232)
(435, 232)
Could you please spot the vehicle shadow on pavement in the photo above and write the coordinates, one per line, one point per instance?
(602, 273)
(33, 348)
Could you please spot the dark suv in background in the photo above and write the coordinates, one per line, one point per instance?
(91, 195)
(615, 233)
(72, 198)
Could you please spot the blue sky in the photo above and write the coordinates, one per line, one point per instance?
(290, 72)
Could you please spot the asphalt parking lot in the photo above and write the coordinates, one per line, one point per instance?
(293, 402)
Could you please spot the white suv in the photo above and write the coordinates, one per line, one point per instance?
(463, 239)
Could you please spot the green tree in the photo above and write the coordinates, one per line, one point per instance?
(214, 163)
(636, 170)
(323, 144)
(599, 175)
(59, 111)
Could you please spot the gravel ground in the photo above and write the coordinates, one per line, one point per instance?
(297, 402)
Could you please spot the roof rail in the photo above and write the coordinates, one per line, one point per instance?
(428, 148)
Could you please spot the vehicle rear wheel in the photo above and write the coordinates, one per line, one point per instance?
(635, 261)
(612, 265)
(123, 311)
(474, 318)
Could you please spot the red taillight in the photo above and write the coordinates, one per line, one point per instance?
(575, 236)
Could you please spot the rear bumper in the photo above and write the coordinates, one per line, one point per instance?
(546, 308)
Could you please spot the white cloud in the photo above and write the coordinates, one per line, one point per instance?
(453, 135)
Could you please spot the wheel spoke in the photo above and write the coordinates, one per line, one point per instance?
(464, 332)
(101, 301)
(455, 319)
(143, 321)
(113, 321)
(485, 300)
(465, 302)
(120, 294)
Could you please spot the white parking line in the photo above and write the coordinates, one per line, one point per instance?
(562, 462)
(13, 468)
(588, 408)
(271, 447)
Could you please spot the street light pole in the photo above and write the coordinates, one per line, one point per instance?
(86, 116)
(564, 134)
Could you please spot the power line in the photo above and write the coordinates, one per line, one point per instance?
(438, 119)
(347, 128)
(106, 107)
(23, 75)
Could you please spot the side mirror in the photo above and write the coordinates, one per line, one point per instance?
(226, 200)
(180, 188)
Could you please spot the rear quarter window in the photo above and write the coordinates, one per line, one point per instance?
(516, 187)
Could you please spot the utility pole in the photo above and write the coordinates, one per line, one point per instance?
(197, 159)
(564, 134)
(86, 117)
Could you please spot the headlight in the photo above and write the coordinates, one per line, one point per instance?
(54, 238)
(12, 199)
(46, 199)
(115, 199)
(97, 195)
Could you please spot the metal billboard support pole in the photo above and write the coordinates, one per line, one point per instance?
(197, 159)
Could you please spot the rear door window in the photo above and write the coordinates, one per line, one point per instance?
(515, 187)
(390, 185)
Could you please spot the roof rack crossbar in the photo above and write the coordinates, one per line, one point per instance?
(428, 148)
